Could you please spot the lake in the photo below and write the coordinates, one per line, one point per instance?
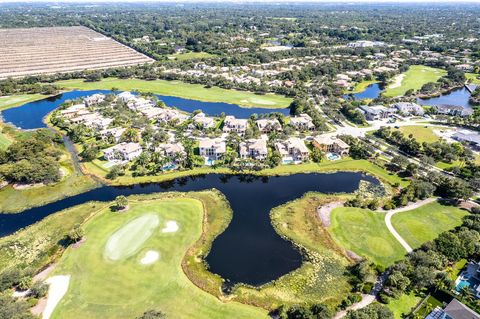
(30, 115)
(249, 250)
(371, 92)
(458, 97)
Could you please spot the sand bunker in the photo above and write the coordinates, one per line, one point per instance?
(58, 288)
(126, 241)
(170, 227)
(150, 257)
(397, 82)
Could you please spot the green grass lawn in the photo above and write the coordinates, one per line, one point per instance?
(427, 307)
(4, 141)
(361, 86)
(415, 78)
(7, 102)
(364, 232)
(427, 222)
(421, 133)
(473, 78)
(190, 56)
(403, 305)
(101, 288)
(184, 90)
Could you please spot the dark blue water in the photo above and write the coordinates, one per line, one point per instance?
(371, 92)
(458, 97)
(30, 115)
(249, 250)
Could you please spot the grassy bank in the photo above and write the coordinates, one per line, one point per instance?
(183, 90)
(360, 87)
(421, 133)
(425, 223)
(190, 56)
(403, 305)
(347, 164)
(365, 233)
(134, 287)
(7, 102)
(415, 78)
(321, 278)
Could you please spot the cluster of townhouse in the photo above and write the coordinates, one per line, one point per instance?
(380, 112)
(291, 150)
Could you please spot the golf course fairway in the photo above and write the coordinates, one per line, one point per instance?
(126, 287)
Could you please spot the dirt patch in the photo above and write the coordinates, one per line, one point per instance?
(79, 243)
(26, 186)
(325, 211)
(38, 309)
(41, 276)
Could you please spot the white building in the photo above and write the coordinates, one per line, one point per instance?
(125, 96)
(123, 152)
(292, 150)
(94, 99)
(231, 124)
(302, 122)
(254, 148)
(172, 150)
(408, 108)
(203, 120)
(269, 125)
(115, 133)
(212, 148)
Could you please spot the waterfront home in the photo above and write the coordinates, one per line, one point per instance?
(115, 133)
(331, 144)
(376, 112)
(172, 150)
(231, 124)
(151, 112)
(408, 108)
(125, 96)
(254, 148)
(74, 111)
(138, 103)
(453, 110)
(203, 120)
(212, 148)
(123, 152)
(269, 125)
(454, 310)
(94, 99)
(84, 117)
(303, 122)
(292, 150)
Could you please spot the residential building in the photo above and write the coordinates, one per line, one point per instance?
(231, 124)
(302, 122)
(123, 152)
(115, 133)
(454, 310)
(408, 108)
(94, 99)
(254, 148)
(269, 125)
(376, 112)
(292, 150)
(74, 111)
(125, 96)
(331, 144)
(212, 148)
(203, 120)
(454, 110)
(171, 150)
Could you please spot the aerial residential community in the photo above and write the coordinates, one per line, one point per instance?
(239, 160)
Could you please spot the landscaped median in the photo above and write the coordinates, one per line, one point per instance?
(183, 90)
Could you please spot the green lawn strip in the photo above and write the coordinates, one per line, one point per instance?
(457, 268)
(321, 278)
(445, 165)
(7, 102)
(365, 233)
(346, 164)
(184, 90)
(191, 56)
(4, 141)
(426, 222)
(360, 87)
(100, 288)
(404, 305)
(427, 307)
(473, 78)
(415, 78)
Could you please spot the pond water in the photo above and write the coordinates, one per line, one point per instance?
(249, 250)
(458, 97)
(30, 115)
(371, 92)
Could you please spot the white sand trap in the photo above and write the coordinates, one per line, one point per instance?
(171, 227)
(397, 82)
(126, 241)
(58, 288)
(150, 257)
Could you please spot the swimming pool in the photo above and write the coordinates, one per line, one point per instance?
(333, 156)
(466, 281)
